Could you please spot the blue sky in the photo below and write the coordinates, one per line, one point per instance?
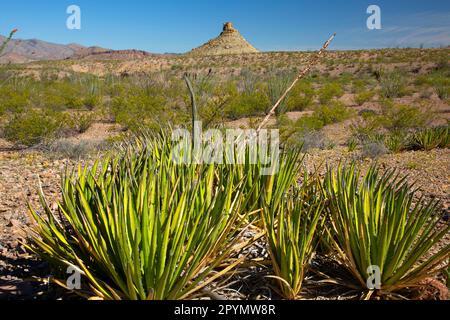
(178, 26)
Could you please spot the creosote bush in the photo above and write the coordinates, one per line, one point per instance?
(32, 127)
(301, 97)
(330, 91)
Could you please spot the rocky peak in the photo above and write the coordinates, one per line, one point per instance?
(230, 41)
(228, 28)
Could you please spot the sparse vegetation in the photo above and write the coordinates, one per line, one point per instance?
(392, 84)
(140, 227)
(330, 91)
(32, 127)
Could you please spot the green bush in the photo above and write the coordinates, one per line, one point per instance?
(32, 127)
(92, 101)
(301, 97)
(330, 91)
(439, 81)
(81, 121)
(332, 113)
(364, 97)
(12, 100)
(305, 131)
(140, 110)
(441, 85)
(277, 84)
(392, 84)
(247, 105)
(404, 117)
(395, 141)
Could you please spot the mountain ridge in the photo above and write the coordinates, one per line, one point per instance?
(30, 50)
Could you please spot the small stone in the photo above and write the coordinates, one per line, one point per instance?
(13, 223)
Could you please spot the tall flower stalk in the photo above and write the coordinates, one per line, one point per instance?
(7, 40)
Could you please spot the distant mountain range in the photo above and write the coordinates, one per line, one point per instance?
(21, 51)
(230, 41)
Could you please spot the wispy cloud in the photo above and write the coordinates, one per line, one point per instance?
(426, 28)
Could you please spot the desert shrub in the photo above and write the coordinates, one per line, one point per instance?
(48, 99)
(404, 117)
(92, 101)
(364, 97)
(140, 110)
(80, 121)
(332, 113)
(330, 91)
(67, 149)
(12, 100)
(33, 127)
(373, 149)
(352, 144)
(305, 131)
(439, 82)
(301, 97)
(441, 85)
(358, 86)
(392, 84)
(247, 105)
(392, 126)
(309, 123)
(73, 102)
(394, 142)
(378, 223)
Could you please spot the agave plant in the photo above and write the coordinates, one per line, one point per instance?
(139, 226)
(292, 231)
(268, 190)
(431, 138)
(378, 223)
